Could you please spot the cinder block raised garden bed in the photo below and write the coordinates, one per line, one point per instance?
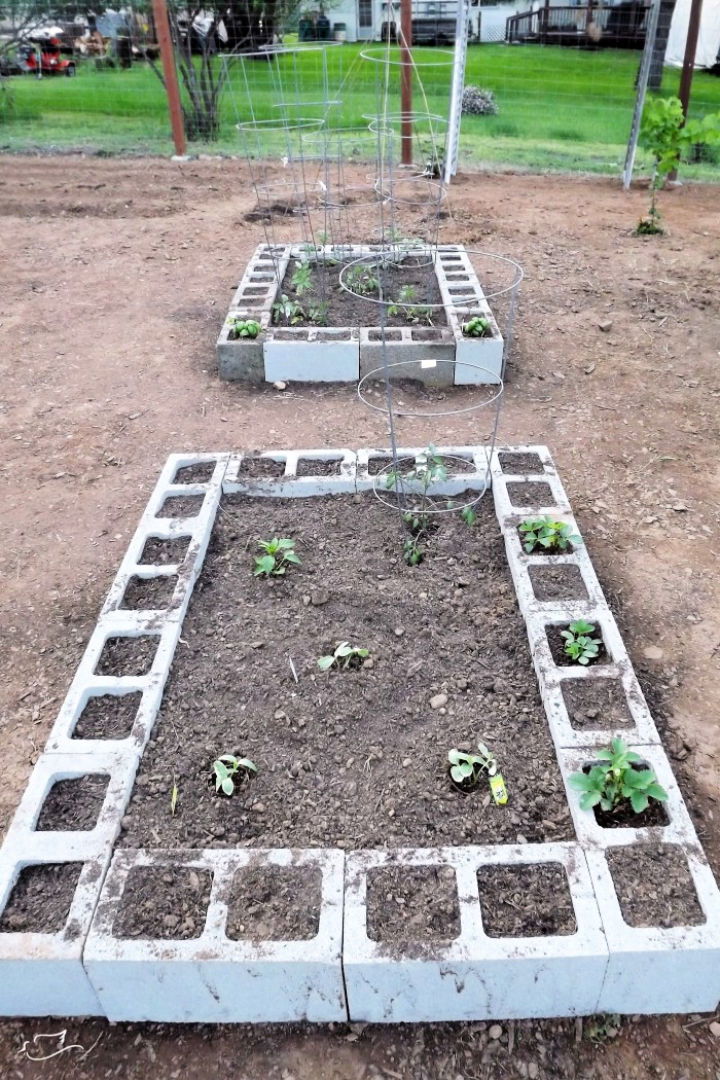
(350, 876)
(331, 335)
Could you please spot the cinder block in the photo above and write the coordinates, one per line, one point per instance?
(429, 362)
(242, 358)
(474, 977)
(477, 479)
(290, 485)
(212, 979)
(333, 357)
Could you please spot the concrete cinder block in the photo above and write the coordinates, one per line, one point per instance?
(290, 484)
(242, 358)
(212, 979)
(330, 355)
(474, 977)
(408, 356)
(458, 480)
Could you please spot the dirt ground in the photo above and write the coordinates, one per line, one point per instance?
(114, 279)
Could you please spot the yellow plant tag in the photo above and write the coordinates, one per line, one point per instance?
(498, 789)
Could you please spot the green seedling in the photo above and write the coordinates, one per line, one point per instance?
(413, 552)
(318, 313)
(279, 554)
(613, 780)
(547, 534)
(406, 309)
(476, 327)
(287, 311)
(244, 328)
(302, 278)
(579, 646)
(227, 767)
(468, 768)
(361, 279)
(429, 469)
(469, 515)
(345, 656)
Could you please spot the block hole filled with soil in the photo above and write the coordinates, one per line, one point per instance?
(624, 817)
(311, 467)
(73, 804)
(161, 551)
(526, 900)
(199, 473)
(108, 716)
(557, 646)
(594, 703)
(181, 506)
(129, 656)
(164, 902)
(521, 464)
(557, 583)
(40, 900)
(275, 903)
(530, 494)
(413, 906)
(654, 885)
(149, 594)
(261, 468)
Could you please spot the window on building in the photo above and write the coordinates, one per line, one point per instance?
(364, 12)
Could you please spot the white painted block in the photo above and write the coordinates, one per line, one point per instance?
(212, 979)
(313, 361)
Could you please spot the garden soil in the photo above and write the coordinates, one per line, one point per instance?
(115, 278)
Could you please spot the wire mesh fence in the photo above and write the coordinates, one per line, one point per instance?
(559, 106)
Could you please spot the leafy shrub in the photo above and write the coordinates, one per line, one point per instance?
(478, 102)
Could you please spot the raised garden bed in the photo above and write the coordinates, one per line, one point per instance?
(310, 329)
(349, 876)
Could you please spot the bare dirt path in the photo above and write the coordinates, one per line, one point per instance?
(114, 278)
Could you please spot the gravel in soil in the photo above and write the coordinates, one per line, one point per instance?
(525, 900)
(414, 907)
(557, 583)
(148, 594)
(131, 656)
(533, 493)
(595, 703)
(163, 902)
(159, 551)
(73, 804)
(346, 309)
(181, 506)
(108, 716)
(200, 473)
(275, 903)
(654, 885)
(261, 467)
(40, 901)
(520, 464)
(309, 467)
(557, 647)
(352, 758)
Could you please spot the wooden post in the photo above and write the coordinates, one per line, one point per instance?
(167, 54)
(689, 59)
(406, 81)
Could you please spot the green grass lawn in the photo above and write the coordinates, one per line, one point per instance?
(560, 109)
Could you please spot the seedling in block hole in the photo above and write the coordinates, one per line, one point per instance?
(279, 554)
(579, 646)
(613, 781)
(227, 767)
(547, 534)
(476, 327)
(345, 656)
(244, 328)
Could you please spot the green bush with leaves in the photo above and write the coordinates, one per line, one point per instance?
(244, 328)
(613, 780)
(345, 656)
(579, 646)
(476, 327)
(670, 137)
(279, 554)
(227, 767)
(547, 534)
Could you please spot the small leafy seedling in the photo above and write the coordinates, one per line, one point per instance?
(302, 278)
(345, 656)
(244, 328)
(579, 646)
(613, 781)
(361, 279)
(405, 307)
(476, 327)
(287, 310)
(227, 767)
(318, 313)
(413, 551)
(279, 553)
(548, 534)
(469, 515)
(467, 768)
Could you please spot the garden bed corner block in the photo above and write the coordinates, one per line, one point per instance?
(348, 353)
(211, 978)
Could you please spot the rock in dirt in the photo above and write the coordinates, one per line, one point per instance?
(495, 1031)
(715, 1029)
(279, 385)
(438, 700)
(605, 325)
(653, 652)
